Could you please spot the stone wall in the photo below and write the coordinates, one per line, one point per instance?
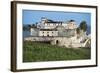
(67, 42)
(62, 41)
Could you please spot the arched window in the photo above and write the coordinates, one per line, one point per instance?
(52, 33)
(47, 33)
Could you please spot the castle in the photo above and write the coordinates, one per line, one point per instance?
(54, 28)
(58, 33)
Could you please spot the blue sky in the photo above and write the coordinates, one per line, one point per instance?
(33, 16)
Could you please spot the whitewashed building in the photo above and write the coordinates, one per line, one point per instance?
(47, 27)
(58, 33)
(48, 32)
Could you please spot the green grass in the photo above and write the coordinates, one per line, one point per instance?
(35, 52)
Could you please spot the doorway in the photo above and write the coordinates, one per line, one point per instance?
(57, 42)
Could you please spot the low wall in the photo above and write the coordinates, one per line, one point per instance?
(60, 41)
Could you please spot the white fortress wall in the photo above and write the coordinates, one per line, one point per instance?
(48, 33)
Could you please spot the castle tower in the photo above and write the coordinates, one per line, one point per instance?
(43, 20)
(71, 24)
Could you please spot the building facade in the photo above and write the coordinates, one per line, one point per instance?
(59, 33)
(47, 27)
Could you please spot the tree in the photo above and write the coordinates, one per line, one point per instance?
(78, 30)
(34, 25)
(71, 20)
(83, 26)
(26, 27)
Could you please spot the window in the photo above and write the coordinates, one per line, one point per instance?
(48, 35)
(47, 32)
(52, 33)
(43, 33)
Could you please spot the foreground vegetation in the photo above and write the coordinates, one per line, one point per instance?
(36, 51)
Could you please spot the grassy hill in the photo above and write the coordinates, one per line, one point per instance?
(36, 51)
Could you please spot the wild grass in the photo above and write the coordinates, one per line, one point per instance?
(36, 51)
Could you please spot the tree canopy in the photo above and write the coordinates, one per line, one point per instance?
(78, 30)
(83, 26)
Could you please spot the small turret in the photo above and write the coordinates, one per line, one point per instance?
(71, 24)
(43, 20)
